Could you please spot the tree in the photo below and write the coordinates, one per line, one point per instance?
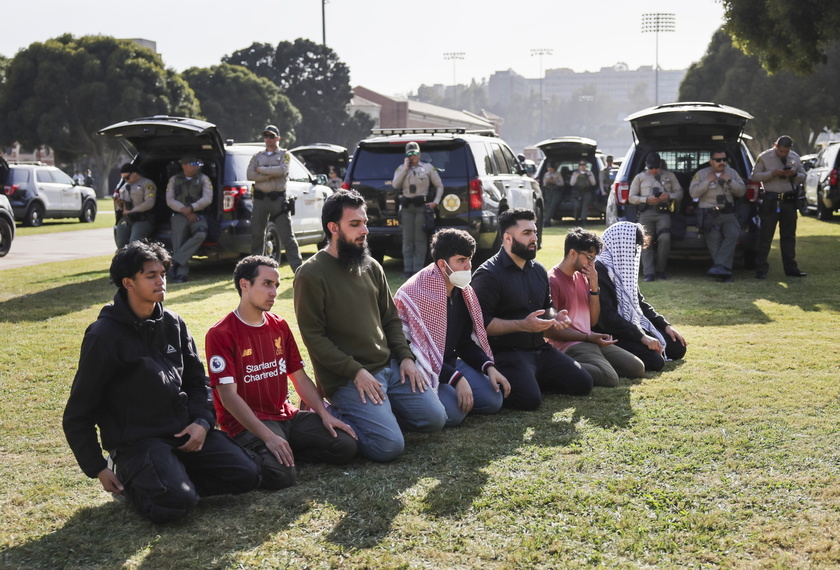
(782, 103)
(314, 79)
(784, 34)
(60, 92)
(240, 103)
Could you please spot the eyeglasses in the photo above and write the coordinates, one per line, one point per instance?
(412, 153)
(719, 159)
(589, 256)
(269, 136)
(195, 163)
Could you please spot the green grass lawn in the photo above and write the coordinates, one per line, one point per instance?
(728, 459)
(104, 219)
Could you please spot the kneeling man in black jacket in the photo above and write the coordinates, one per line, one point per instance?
(140, 381)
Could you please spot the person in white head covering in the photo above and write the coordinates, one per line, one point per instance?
(625, 314)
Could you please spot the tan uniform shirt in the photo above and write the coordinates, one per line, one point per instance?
(554, 178)
(767, 162)
(274, 169)
(421, 176)
(644, 184)
(706, 191)
(141, 195)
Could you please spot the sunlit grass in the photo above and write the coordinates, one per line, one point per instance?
(728, 459)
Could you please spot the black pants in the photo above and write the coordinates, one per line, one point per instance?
(785, 217)
(654, 362)
(309, 440)
(530, 371)
(164, 484)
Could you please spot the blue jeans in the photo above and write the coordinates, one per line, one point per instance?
(485, 398)
(378, 426)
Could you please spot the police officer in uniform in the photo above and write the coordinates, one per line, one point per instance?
(715, 188)
(552, 187)
(780, 170)
(414, 179)
(652, 192)
(269, 169)
(134, 200)
(583, 187)
(188, 193)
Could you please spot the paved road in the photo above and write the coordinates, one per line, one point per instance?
(60, 246)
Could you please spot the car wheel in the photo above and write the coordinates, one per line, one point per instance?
(88, 214)
(749, 258)
(34, 215)
(273, 249)
(823, 213)
(5, 237)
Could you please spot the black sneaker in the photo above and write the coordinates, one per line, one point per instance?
(649, 278)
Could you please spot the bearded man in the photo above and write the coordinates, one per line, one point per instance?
(516, 304)
(349, 323)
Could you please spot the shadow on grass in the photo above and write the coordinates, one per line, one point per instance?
(94, 288)
(456, 463)
(113, 536)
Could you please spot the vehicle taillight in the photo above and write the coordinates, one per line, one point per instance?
(231, 196)
(753, 190)
(832, 177)
(8, 190)
(476, 195)
(622, 191)
(345, 185)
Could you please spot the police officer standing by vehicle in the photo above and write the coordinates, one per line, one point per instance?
(652, 192)
(780, 170)
(583, 187)
(134, 199)
(715, 188)
(269, 169)
(414, 179)
(552, 187)
(188, 193)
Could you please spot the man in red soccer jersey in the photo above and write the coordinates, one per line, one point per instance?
(251, 354)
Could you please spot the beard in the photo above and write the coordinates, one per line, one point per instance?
(351, 256)
(520, 249)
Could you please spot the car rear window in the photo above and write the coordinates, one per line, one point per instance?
(236, 167)
(380, 163)
(18, 176)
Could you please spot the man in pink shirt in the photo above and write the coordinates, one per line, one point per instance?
(574, 287)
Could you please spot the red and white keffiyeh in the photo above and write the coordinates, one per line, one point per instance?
(421, 303)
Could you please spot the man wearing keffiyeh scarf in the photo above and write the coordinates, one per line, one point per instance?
(443, 323)
(625, 314)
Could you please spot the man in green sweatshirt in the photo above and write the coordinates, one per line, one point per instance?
(350, 326)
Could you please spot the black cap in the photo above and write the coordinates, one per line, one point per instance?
(784, 141)
(127, 168)
(653, 160)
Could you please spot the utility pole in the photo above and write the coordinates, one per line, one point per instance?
(324, 23)
(657, 22)
(454, 56)
(541, 52)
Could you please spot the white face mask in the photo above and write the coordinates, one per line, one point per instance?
(459, 279)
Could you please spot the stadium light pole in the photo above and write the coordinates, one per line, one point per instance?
(657, 22)
(541, 52)
(454, 56)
